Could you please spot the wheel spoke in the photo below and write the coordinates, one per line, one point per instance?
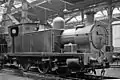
(25, 67)
(43, 68)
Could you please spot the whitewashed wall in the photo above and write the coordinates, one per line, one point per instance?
(116, 36)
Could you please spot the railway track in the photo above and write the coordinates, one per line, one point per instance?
(114, 66)
(30, 74)
(52, 76)
(87, 77)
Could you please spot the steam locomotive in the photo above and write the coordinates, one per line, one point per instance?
(57, 49)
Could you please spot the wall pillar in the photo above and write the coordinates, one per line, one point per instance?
(110, 11)
(24, 11)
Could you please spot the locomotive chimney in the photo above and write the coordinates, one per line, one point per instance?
(90, 17)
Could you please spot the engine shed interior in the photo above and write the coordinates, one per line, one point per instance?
(43, 12)
(77, 34)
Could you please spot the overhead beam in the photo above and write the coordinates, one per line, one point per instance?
(66, 2)
(39, 2)
(99, 6)
(70, 18)
(13, 19)
(31, 5)
(104, 20)
(24, 11)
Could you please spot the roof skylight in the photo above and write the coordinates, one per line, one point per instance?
(31, 1)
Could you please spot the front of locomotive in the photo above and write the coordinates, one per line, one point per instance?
(98, 36)
(90, 41)
(92, 37)
(98, 40)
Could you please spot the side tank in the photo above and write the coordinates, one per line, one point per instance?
(39, 41)
(94, 34)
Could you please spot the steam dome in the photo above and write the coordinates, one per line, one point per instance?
(58, 23)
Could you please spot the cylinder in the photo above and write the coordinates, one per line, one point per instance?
(73, 63)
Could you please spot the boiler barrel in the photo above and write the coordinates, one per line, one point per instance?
(93, 34)
(75, 37)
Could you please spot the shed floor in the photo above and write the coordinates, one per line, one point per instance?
(111, 72)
